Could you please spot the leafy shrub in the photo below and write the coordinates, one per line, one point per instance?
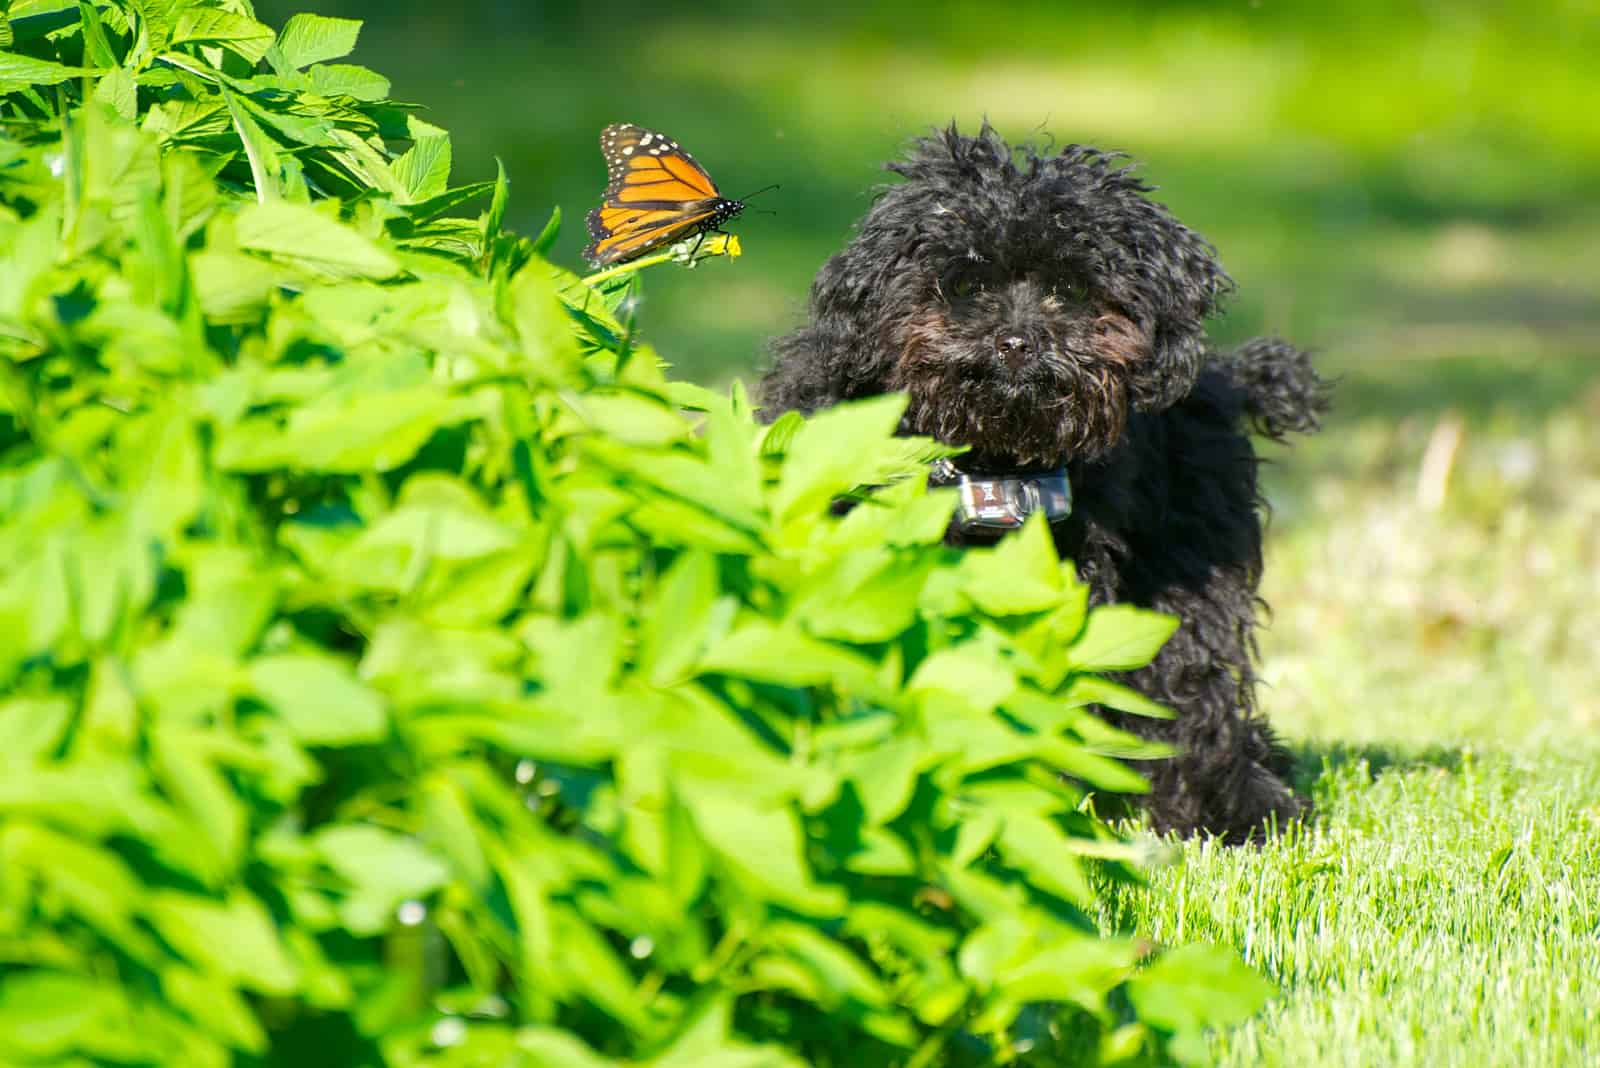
(394, 676)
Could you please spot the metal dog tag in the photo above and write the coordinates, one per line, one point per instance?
(992, 503)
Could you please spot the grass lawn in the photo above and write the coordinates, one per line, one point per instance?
(1435, 668)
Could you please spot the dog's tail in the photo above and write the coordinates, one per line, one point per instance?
(1282, 391)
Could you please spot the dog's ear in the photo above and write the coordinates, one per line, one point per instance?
(1197, 283)
(1155, 269)
(1185, 285)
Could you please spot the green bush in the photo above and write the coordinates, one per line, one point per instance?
(393, 675)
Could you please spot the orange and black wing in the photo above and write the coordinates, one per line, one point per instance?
(657, 194)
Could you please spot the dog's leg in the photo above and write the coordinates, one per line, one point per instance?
(1190, 545)
(1230, 775)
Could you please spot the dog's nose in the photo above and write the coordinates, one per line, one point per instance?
(1013, 350)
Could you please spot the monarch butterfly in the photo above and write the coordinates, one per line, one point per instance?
(657, 194)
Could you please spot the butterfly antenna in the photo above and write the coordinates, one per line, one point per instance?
(758, 192)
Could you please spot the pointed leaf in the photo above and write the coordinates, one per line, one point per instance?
(1198, 986)
(319, 698)
(301, 234)
(1120, 637)
(308, 39)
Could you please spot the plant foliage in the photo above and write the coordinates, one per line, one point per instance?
(393, 675)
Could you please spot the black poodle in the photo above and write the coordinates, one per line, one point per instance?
(1040, 309)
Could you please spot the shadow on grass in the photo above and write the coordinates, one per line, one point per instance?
(1313, 761)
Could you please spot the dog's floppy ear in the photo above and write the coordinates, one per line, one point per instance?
(1189, 285)
(1154, 268)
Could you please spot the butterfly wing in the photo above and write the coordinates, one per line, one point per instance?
(656, 194)
(622, 233)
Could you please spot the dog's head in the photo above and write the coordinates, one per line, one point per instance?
(1026, 301)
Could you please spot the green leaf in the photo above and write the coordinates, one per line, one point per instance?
(1120, 637)
(235, 938)
(184, 765)
(91, 882)
(32, 727)
(547, 1047)
(1199, 986)
(547, 236)
(1092, 689)
(835, 451)
(886, 774)
(842, 976)
(19, 72)
(670, 642)
(34, 605)
(302, 235)
(424, 169)
(47, 1014)
(346, 431)
(96, 48)
(596, 969)
(308, 39)
(706, 1042)
(632, 418)
(347, 79)
(215, 1004)
(762, 847)
(526, 896)
(238, 33)
(450, 828)
(1037, 845)
(683, 476)
(868, 596)
(1068, 966)
(539, 316)
(759, 650)
(441, 516)
(230, 604)
(978, 681)
(382, 868)
(1097, 770)
(1022, 574)
(265, 165)
(119, 89)
(319, 698)
(494, 218)
(233, 287)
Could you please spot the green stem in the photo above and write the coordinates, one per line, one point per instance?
(720, 245)
(624, 268)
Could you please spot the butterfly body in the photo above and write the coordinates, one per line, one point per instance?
(656, 194)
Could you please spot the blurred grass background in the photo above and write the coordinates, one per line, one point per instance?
(1410, 188)
(1384, 179)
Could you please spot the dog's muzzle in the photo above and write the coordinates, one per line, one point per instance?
(996, 501)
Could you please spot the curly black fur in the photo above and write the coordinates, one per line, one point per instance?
(1042, 310)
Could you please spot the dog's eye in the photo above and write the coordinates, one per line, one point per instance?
(962, 284)
(1074, 289)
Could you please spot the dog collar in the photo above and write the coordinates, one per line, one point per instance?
(995, 501)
